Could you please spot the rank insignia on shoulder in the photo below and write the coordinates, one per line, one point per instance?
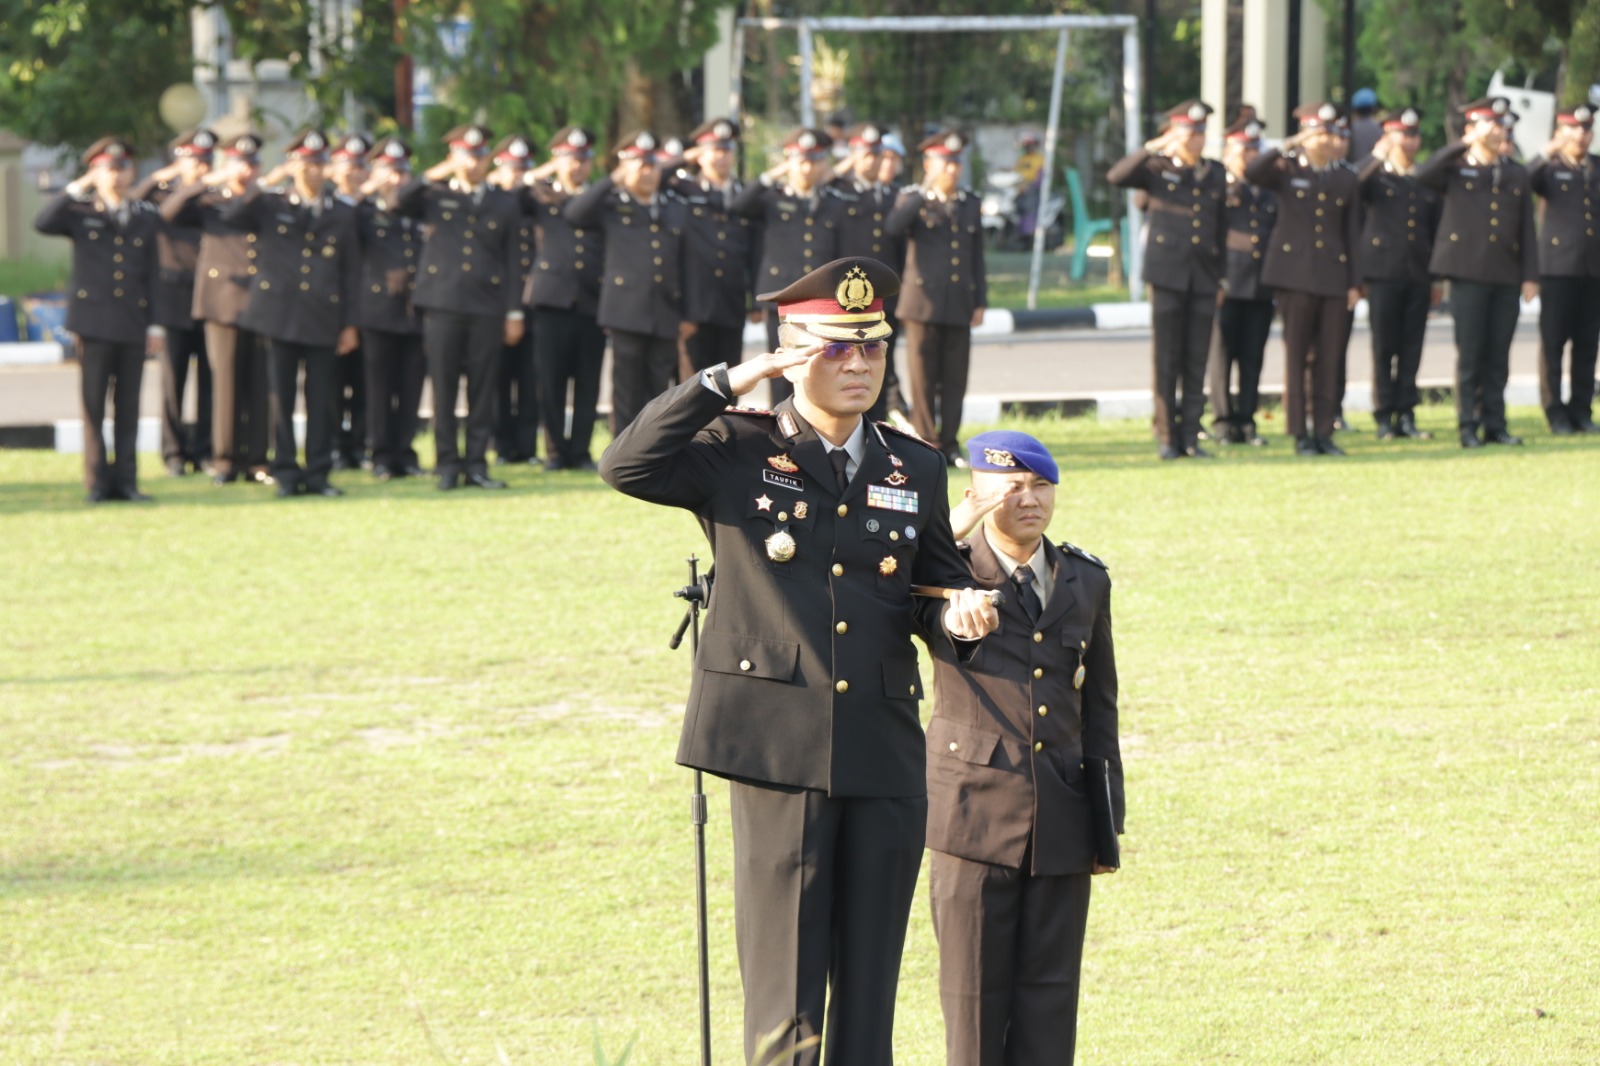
(748, 411)
(781, 461)
(890, 427)
(786, 423)
(897, 479)
(1080, 553)
(888, 566)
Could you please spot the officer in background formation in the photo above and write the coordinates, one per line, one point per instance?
(114, 276)
(1184, 240)
(1567, 176)
(470, 294)
(1244, 321)
(641, 294)
(1401, 219)
(347, 172)
(564, 296)
(172, 307)
(1311, 260)
(718, 273)
(944, 291)
(891, 403)
(516, 419)
(1487, 247)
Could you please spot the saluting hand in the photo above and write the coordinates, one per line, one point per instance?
(970, 615)
(973, 506)
(752, 372)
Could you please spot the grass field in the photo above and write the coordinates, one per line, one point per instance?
(389, 779)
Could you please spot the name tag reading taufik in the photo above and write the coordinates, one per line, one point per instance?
(892, 499)
(788, 481)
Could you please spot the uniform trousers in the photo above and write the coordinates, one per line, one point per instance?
(1569, 312)
(778, 388)
(395, 368)
(458, 344)
(350, 407)
(1243, 327)
(890, 397)
(1398, 316)
(641, 369)
(179, 442)
(1180, 325)
(1314, 337)
(822, 894)
(238, 398)
(571, 347)
(1010, 952)
(109, 367)
(1486, 320)
(937, 360)
(516, 411)
(285, 360)
(713, 344)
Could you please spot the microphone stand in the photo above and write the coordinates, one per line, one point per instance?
(698, 593)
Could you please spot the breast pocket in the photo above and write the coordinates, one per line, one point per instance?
(888, 539)
(779, 524)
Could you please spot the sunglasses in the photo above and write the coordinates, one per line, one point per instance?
(872, 351)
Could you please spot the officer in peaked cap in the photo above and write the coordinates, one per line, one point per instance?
(516, 422)
(1183, 263)
(641, 298)
(806, 683)
(945, 290)
(178, 248)
(719, 275)
(1487, 247)
(114, 270)
(1567, 176)
(469, 290)
(1311, 259)
(1401, 218)
(1244, 321)
(347, 172)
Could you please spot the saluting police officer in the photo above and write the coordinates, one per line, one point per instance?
(1401, 218)
(114, 270)
(172, 307)
(806, 682)
(1487, 247)
(1244, 321)
(1183, 263)
(391, 329)
(308, 275)
(470, 294)
(1311, 260)
(516, 420)
(641, 298)
(1568, 177)
(717, 284)
(347, 171)
(945, 290)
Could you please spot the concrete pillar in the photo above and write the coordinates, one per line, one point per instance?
(718, 68)
(1314, 53)
(1266, 69)
(1214, 69)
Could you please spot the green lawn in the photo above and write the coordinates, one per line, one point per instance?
(389, 779)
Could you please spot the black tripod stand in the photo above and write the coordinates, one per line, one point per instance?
(698, 593)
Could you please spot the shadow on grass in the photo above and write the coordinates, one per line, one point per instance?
(72, 874)
(140, 676)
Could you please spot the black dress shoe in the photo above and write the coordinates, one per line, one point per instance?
(1500, 436)
(1406, 426)
(413, 470)
(134, 496)
(484, 481)
(225, 479)
(323, 490)
(1325, 446)
(1248, 435)
(1386, 432)
(1562, 427)
(380, 472)
(554, 465)
(1584, 425)
(97, 496)
(1169, 452)
(1305, 446)
(535, 461)
(176, 468)
(1194, 451)
(1469, 439)
(448, 481)
(586, 465)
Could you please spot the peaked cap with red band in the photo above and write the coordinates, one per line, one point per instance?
(572, 140)
(197, 143)
(309, 144)
(113, 150)
(246, 146)
(474, 139)
(1407, 120)
(808, 141)
(514, 149)
(715, 131)
(1494, 108)
(354, 146)
(1317, 116)
(839, 301)
(1245, 131)
(1191, 113)
(1581, 116)
(946, 143)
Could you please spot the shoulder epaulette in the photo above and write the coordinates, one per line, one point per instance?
(897, 431)
(754, 412)
(1080, 553)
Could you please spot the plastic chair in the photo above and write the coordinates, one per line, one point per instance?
(1084, 228)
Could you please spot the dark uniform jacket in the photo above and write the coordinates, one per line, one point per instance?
(642, 286)
(227, 265)
(944, 280)
(1187, 224)
(866, 217)
(806, 674)
(178, 251)
(1252, 213)
(798, 233)
(1568, 245)
(390, 248)
(472, 257)
(719, 275)
(1010, 728)
(1486, 228)
(567, 269)
(113, 265)
(308, 266)
(1313, 247)
(1401, 219)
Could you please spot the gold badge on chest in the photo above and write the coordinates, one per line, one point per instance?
(780, 547)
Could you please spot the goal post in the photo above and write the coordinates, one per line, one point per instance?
(808, 29)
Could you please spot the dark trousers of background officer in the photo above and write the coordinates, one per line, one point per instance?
(1486, 320)
(571, 347)
(1010, 955)
(713, 344)
(238, 398)
(118, 369)
(394, 368)
(642, 366)
(1397, 313)
(1314, 338)
(516, 406)
(350, 409)
(779, 387)
(1181, 342)
(455, 344)
(890, 397)
(181, 443)
(1569, 311)
(1243, 327)
(937, 361)
(822, 891)
(285, 359)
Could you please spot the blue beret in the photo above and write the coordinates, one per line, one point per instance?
(1005, 451)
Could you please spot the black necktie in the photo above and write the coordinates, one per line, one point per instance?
(838, 457)
(1023, 576)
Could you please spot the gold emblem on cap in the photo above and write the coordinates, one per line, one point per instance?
(855, 291)
(998, 457)
(780, 547)
(781, 461)
(802, 509)
(888, 566)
